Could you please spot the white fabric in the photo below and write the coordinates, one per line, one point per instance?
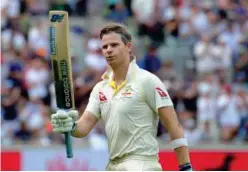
(143, 9)
(94, 44)
(13, 8)
(193, 136)
(206, 108)
(206, 57)
(228, 109)
(95, 61)
(18, 40)
(200, 22)
(179, 143)
(145, 163)
(130, 113)
(37, 79)
(37, 39)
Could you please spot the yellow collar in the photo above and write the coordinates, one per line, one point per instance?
(131, 73)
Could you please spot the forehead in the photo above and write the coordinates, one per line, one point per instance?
(111, 37)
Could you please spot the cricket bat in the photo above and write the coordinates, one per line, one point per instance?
(61, 63)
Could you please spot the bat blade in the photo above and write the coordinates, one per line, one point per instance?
(61, 63)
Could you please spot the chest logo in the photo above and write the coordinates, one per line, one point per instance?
(102, 97)
(161, 92)
(127, 91)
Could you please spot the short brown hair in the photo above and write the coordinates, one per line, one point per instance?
(117, 28)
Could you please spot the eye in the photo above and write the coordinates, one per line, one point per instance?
(104, 47)
(114, 44)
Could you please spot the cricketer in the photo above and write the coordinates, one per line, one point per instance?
(130, 101)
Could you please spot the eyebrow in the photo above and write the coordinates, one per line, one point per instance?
(111, 43)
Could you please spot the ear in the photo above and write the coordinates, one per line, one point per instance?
(129, 46)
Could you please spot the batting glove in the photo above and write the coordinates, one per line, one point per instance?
(63, 121)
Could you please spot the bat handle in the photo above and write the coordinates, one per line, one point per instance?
(68, 145)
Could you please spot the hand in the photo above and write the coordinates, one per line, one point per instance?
(63, 121)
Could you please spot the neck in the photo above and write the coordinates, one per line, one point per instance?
(120, 72)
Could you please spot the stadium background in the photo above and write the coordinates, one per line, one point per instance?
(198, 48)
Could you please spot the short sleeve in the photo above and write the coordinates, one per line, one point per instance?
(93, 105)
(155, 94)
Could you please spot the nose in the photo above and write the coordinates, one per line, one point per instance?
(109, 50)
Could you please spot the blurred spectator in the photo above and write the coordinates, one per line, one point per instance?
(171, 18)
(241, 68)
(34, 114)
(206, 112)
(198, 20)
(222, 53)
(229, 116)
(151, 61)
(205, 59)
(12, 38)
(37, 76)
(192, 134)
(37, 38)
(243, 110)
(60, 5)
(10, 95)
(82, 8)
(148, 21)
(189, 96)
(23, 134)
(118, 14)
(232, 36)
(38, 7)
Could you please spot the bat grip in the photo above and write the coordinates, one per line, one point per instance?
(68, 145)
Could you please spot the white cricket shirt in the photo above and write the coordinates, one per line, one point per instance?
(130, 112)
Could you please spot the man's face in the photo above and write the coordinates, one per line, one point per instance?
(114, 50)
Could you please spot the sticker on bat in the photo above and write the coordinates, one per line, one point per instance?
(57, 18)
(53, 40)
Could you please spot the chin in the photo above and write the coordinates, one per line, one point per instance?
(112, 64)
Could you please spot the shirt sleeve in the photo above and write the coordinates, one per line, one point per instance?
(93, 105)
(156, 94)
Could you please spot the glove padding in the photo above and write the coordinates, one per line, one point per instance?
(63, 121)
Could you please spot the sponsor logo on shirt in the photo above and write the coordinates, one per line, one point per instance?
(127, 92)
(102, 97)
(161, 92)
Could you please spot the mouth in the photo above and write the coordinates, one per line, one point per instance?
(109, 58)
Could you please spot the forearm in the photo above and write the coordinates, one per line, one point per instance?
(84, 125)
(182, 152)
(79, 130)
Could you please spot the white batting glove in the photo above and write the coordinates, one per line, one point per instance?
(63, 121)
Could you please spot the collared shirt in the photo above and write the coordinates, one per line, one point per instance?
(130, 112)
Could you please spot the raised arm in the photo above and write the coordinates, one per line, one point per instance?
(64, 121)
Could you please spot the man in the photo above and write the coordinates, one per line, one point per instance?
(130, 101)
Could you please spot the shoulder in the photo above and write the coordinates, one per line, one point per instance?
(100, 84)
(146, 77)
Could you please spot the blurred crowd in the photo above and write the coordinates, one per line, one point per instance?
(198, 48)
